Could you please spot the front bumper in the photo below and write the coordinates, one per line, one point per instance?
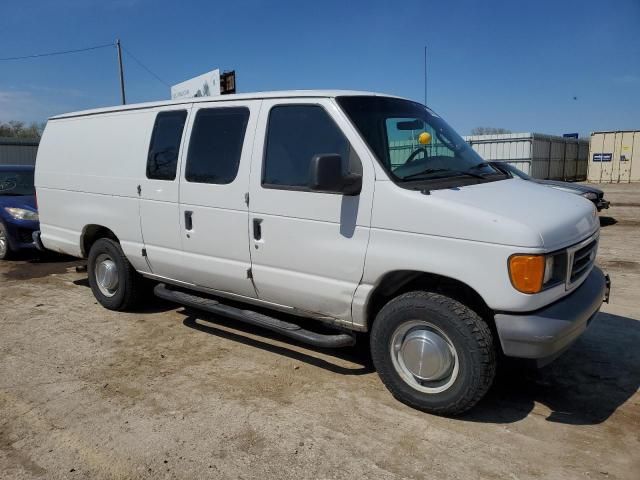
(544, 334)
(602, 204)
(20, 233)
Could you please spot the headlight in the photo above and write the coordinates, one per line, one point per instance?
(590, 195)
(534, 273)
(21, 213)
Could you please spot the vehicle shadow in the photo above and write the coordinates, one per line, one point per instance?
(148, 304)
(607, 221)
(29, 265)
(210, 324)
(585, 386)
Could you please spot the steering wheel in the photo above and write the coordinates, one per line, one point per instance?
(415, 153)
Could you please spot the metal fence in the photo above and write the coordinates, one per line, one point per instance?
(539, 155)
(18, 151)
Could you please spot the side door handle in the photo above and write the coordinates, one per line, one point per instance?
(257, 228)
(188, 220)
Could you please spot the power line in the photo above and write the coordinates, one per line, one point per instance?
(145, 67)
(50, 54)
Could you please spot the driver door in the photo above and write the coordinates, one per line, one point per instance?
(307, 248)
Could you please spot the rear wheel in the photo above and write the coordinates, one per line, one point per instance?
(433, 353)
(5, 249)
(113, 280)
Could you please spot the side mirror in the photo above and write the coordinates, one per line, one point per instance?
(326, 175)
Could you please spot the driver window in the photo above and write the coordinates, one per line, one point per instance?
(295, 134)
(408, 144)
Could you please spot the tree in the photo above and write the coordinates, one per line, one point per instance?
(489, 131)
(18, 129)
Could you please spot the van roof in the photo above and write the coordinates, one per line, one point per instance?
(223, 98)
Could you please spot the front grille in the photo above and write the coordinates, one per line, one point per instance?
(582, 260)
(25, 236)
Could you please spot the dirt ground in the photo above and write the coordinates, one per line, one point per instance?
(171, 393)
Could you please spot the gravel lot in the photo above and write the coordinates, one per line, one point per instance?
(171, 393)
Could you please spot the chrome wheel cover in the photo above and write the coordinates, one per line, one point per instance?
(106, 275)
(424, 356)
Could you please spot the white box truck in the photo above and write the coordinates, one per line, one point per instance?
(364, 212)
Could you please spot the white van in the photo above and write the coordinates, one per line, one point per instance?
(362, 211)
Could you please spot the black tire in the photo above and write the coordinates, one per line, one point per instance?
(6, 252)
(467, 333)
(127, 293)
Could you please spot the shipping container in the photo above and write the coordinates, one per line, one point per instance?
(539, 155)
(18, 151)
(614, 157)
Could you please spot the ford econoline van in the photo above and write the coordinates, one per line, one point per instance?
(360, 211)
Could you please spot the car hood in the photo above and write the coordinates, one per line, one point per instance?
(573, 187)
(18, 201)
(508, 212)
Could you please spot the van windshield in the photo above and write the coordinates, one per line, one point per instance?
(414, 144)
(16, 183)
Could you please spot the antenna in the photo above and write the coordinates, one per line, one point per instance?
(124, 100)
(425, 74)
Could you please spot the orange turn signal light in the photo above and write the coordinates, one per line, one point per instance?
(527, 272)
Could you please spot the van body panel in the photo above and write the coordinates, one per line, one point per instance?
(482, 266)
(81, 180)
(469, 233)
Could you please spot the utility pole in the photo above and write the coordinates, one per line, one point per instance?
(124, 99)
(425, 74)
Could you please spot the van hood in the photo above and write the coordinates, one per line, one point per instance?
(508, 212)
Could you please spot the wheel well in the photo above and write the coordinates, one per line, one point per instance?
(91, 234)
(402, 281)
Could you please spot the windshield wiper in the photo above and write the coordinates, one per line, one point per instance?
(478, 165)
(435, 170)
(497, 169)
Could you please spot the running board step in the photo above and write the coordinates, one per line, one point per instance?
(287, 329)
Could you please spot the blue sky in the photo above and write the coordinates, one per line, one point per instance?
(511, 64)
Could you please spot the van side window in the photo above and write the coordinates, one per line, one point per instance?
(162, 160)
(296, 133)
(216, 145)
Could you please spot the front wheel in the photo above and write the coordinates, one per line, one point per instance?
(5, 249)
(114, 282)
(433, 353)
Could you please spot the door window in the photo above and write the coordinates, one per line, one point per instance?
(162, 159)
(216, 145)
(295, 134)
